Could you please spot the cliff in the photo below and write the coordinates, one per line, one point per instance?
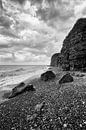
(55, 60)
(73, 52)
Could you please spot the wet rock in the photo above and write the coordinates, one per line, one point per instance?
(66, 79)
(21, 88)
(49, 75)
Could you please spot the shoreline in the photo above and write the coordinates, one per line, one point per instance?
(31, 80)
(57, 100)
(6, 91)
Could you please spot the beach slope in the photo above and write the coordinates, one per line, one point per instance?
(51, 107)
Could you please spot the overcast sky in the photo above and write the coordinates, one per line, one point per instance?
(32, 30)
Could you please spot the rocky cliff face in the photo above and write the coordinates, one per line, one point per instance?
(55, 60)
(73, 52)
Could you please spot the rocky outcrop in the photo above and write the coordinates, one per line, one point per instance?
(73, 52)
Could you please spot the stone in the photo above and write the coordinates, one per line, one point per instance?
(31, 117)
(66, 79)
(48, 75)
(30, 87)
(21, 88)
(39, 107)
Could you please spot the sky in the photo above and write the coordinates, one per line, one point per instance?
(31, 31)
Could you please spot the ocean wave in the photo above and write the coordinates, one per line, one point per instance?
(5, 74)
(20, 69)
(11, 73)
(14, 77)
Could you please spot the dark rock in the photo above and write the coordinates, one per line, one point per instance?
(66, 79)
(73, 52)
(55, 60)
(49, 75)
(21, 88)
(30, 87)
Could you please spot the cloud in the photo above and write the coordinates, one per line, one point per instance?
(6, 57)
(20, 1)
(8, 33)
(5, 22)
(29, 56)
(80, 9)
(56, 10)
(3, 46)
(32, 30)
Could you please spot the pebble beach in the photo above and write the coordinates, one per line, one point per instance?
(51, 106)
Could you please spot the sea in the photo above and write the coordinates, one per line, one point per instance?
(13, 74)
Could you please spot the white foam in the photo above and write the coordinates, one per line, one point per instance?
(4, 84)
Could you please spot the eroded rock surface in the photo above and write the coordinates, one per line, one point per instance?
(55, 60)
(73, 52)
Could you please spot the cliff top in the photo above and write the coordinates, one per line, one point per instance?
(79, 27)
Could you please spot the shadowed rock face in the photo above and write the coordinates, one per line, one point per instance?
(55, 60)
(49, 75)
(66, 79)
(73, 52)
(21, 88)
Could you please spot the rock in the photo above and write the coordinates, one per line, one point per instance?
(30, 87)
(49, 75)
(66, 79)
(73, 52)
(55, 60)
(21, 88)
(74, 48)
(39, 107)
(31, 117)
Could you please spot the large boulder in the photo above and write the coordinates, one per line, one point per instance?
(21, 88)
(66, 79)
(49, 75)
